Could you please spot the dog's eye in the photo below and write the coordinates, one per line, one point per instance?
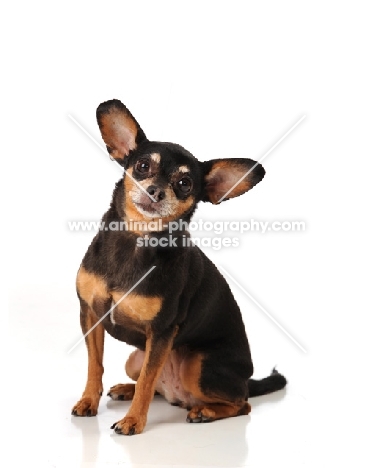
(185, 184)
(142, 166)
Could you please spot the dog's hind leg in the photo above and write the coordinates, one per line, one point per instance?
(221, 393)
(133, 368)
(209, 412)
(88, 404)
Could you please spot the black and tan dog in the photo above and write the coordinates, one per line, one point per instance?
(182, 318)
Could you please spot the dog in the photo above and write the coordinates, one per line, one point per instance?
(190, 339)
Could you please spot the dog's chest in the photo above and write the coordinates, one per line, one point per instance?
(122, 306)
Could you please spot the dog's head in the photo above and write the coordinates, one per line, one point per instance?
(163, 180)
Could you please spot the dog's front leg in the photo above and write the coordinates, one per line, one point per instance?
(88, 404)
(158, 347)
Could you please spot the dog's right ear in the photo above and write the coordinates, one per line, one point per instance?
(120, 131)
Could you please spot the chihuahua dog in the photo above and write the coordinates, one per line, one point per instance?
(191, 341)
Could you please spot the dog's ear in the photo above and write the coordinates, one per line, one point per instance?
(120, 131)
(229, 178)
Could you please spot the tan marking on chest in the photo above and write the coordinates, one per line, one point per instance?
(90, 286)
(141, 308)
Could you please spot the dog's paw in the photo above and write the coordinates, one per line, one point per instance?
(212, 412)
(129, 425)
(85, 407)
(201, 414)
(122, 392)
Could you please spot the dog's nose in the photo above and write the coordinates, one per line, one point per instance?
(157, 193)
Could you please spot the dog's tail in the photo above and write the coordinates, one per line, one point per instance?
(270, 384)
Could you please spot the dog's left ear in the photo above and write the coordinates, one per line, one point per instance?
(229, 178)
(120, 131)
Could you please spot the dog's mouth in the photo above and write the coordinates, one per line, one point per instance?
(153, 209)
(149, 207)
(158, 207)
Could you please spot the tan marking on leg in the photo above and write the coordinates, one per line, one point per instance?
(88, 404)
(155, 356)
(133, 367)
(122, 392)
(190, 374)
(214, 406)
(134, 364)
(211, 412)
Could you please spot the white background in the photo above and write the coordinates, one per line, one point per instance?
(223, 79)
